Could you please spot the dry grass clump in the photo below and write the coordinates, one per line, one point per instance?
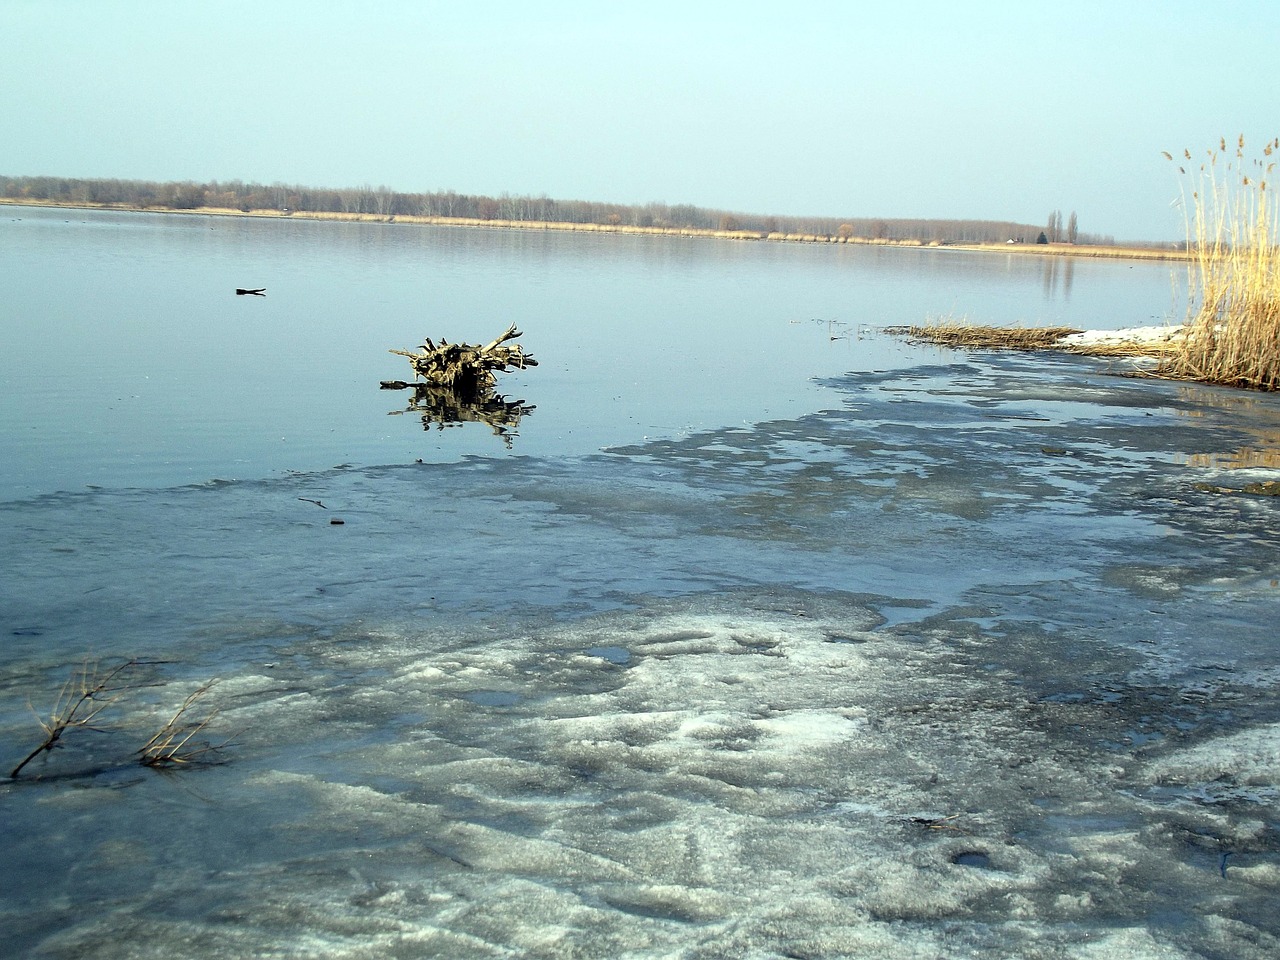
(1233, 329)
(956, 334)
(1139, 344)
(1120, 349)
(1142, 344)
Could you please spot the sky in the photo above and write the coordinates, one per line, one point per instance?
(864, 108)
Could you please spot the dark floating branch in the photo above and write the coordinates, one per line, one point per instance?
(258, 292)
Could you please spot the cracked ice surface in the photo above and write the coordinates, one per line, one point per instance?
(767, 775)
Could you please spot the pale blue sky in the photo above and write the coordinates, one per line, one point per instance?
(992, 110)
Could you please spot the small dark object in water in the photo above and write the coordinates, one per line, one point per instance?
(258, 292)
(316, 502)
(972, 858)
(335, 522)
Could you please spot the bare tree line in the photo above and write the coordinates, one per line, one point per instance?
(386, 203)
(1055, 233)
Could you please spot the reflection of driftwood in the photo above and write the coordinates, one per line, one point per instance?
(465, 369)
(441, 407)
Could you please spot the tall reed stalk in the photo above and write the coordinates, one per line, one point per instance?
(1233, 230)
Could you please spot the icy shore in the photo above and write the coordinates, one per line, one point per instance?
(1152, 337)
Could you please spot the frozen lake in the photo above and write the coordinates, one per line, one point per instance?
(768, 635)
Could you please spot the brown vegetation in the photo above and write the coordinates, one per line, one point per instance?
(82, 698)
(174, 744)
(966, 336)
(92, 689)
(1152, 251)
(1120, 344)
(1233, 329)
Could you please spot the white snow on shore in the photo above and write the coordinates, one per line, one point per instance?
(1135, 335)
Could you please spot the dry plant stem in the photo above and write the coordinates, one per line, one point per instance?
(172, 743)
(82, 698)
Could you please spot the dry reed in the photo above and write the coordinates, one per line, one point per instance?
(175, 743)
(1121, 348)
(82, 698)
(1142, 347)
(91, 690)
(951, 333)
(1233, 329)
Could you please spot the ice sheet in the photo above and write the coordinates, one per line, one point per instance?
(963, 666)
(749, 784)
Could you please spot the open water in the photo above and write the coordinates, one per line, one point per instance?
(764, 634)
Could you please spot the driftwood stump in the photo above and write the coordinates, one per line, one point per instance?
(457, 383)
(463, 368)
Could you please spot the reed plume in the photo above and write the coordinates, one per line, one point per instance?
(1233, 315)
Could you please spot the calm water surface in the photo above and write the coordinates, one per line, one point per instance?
(767, 635)
(131, 362)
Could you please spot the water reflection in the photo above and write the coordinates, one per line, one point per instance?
(1243, 458)
(1056, 276)
(444, 407)
(581, 297)
(1251, 414)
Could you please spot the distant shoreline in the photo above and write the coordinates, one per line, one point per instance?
(1035, 249)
